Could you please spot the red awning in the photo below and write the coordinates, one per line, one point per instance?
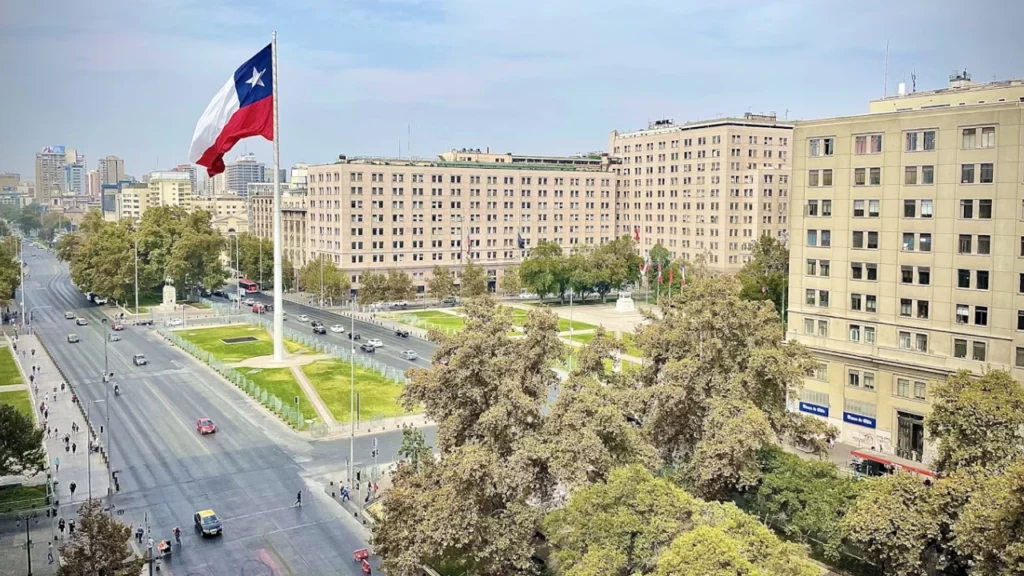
(894, 461)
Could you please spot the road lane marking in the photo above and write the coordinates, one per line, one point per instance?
(257, 513)
(188, 425)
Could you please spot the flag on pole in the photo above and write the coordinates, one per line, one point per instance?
(659, 274)
(520, 241)
(469, 243)
(670, 271)
(682, 275)
(243, 107)
(636, 233)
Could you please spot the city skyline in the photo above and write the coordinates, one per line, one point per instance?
(452, 75)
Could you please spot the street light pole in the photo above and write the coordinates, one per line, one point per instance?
(238, 277)
(321, 274)
(136, 276)
(21, 245)
(107, 377)
(352, 396)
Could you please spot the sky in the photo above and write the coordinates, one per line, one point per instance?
(419, 77)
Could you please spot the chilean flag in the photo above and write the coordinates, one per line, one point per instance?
(243, 107)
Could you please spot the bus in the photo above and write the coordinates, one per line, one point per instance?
(248, 286)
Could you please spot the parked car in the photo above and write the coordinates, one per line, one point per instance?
(319, 329)
(69, 315)
(376, 342)
(100, 301)
(401, 333)
(368, 347)
(144, 322)
(355, 336)
(220, 293)
(399, 304)
(73, 339)
(409, 354)
(140, 360)
(337, 328)
(81, 321)
(450, 300)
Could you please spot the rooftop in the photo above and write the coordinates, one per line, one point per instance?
(666, 126)
(484, 159)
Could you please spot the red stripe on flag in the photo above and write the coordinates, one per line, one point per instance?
(256, 119)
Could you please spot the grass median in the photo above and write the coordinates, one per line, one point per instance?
(17, 498)
(9, 373)
(19, 399)
(378, 396)
(213, 341)
(281, 383)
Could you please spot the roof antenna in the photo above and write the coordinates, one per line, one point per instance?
(913, 81)
(885, 83)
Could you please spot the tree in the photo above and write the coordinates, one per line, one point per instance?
(10, 269)
(545, 271)
(976, 421)
(473, 282)
(765, 277)
(991, 526)
(442, 283)
(29, 219)
(658, 255)
(614, 264)
(893, 524)
(99, 546)
(414, 449)
(321, 276)
(373, 287)
(399, 286)
(21, 444)
(725, 459)
(510, 282)
(712, 351)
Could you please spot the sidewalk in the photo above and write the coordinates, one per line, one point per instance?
(58, 415)
(313, 396)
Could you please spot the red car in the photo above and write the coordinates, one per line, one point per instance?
(117, 326)
(259, 308)
(205, 426)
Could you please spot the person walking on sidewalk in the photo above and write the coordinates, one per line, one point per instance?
(60, 527)
(74, 448)
(72, 487)
(56, 464)
(298, 498)
(62, 388)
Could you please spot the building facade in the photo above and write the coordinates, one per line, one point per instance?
(240, 173)
(907, 256)
(93, 183)
(704, 189)
(75, 179)
(111, 170)
(293, 220)
(189, 169)
(50, 177)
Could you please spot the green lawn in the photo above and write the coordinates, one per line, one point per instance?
(581, 338)
(564, 324)
(211, 340)
(9, 373)
(377, 395)
(281, 383)
(19, 399)
(16, 497)
(440, 320)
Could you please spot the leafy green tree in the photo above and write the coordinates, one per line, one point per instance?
(414, 449)
(765, 277)
(399, 286)
(321, 274)
(511, 284)
(256, 260)
(991, 526)
(705, 551)
(893, 524)
(614, 264)
(99, 546)
(373, 288)
(29, 220)
(442, 283)
(545, 271)
(473, 281)
(10, 269)
(50, 223)
(21, 444)
(708, 347)
(976, 421)
(658, 254)
(725, 459)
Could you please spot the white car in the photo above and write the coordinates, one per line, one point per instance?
(303, 318)
(337, 328)
(375, 342)
(174, 322)
(248, 301)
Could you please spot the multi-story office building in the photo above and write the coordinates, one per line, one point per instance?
(166, 188)
(907, 255)
(293, 219)
(75, 179)
(50, 176)
(240, 173)
(217, 206)
(375, 214)
(93, 184)
(9, 181)
(704, 189)
(111, 170)
(189, 169)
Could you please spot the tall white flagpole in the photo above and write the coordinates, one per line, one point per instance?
(278, 275)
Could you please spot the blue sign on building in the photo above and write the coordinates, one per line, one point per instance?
(865, 421)
(815, 409)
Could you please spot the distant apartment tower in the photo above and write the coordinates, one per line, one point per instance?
(242, 171)
(51, 179)
(93, 183)
(189, 169)
(111, 170)
(374, 214)
(165, 188)
(75, 179)
(704, 189)
(907, 255)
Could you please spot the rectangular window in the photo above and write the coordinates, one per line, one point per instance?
(981, 280)
(809, 326)
(925, 242)
(826, 207)
(826, 238)
(826, 177)
(978, 351)
(1018, 359)
(811, 297)
(825, 267)
(922, 309)
(854, 379)
(874, 208)
(967, 208)
(857, 272)
(871, 271)
(868, 380)
(812, 237)
(909, 208)
(823, 328)
(906, 307)
(908, 242)
(970, 138)
(967, 173)
(1020, 319)
(875, 177)
(903, 387)
(823, 298)
(812, 267)
(963, 278)
(869, 335)
(924, 276)
(871, 303)
(872, 240)
(926, 208)
(855, 301)
(907, 274)
(963, 313)
(921, 342)
(919, 390)
(985, 209)
(905, 340)
(964, 244)
(854, 333)
(860, 145)
(986, 173)
(858, 239)
(858, 208)
(876, 143)
(812, 178)
(860, 177)
(959, 348)
(984, 244)
(927, 174)
(910, 175)
(981, 315)
(812, 207)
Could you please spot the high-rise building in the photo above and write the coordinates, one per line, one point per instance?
(93, 183)
(166, 188)
(242, 171)
(704, 189)
(111, 170)
(293, 220)
(9, 181)
(190, 169)
(75, 179)
(907, 255)
(50, 176)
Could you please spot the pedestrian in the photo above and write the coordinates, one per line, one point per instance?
(49, 552)
(74, 447)
(33, 352)
(60, 527)
(32, 378)
(72, 487)
(47, 431)
(375, 488)
(298, 498)
(46, 414)
(56, 432)
(62, 388)
(344, 494)
(71, 528)
(42, 404)
(67, 449)
(56, 464)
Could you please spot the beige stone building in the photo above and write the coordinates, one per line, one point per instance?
(293, 220)
(706, 188)
(907, 255)
(376, 213)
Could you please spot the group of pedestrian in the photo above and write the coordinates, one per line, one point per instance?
(69, 525)
(372, 491)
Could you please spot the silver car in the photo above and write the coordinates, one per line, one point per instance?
(409, 354)
(114, 337)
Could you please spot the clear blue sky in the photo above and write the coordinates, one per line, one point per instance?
(131, 77)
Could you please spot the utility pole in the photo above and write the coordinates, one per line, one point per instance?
(136, 276)
(28, 537)
(352, 395)
(21, 245)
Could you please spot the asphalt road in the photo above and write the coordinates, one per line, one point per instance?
(249, 472)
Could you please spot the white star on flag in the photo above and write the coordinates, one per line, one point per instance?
(255, 78)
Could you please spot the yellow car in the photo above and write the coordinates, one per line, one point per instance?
(207, 523)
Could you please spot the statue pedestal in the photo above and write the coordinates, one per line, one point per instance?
(170, 299)
(625, 303)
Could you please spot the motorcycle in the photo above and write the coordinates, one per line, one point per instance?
(117, 390)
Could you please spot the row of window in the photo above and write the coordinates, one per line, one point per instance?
(970, 209)
(978, 173)
(914, 141)
(701, 141)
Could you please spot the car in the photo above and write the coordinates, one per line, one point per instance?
(81, 321)
(207, 523)
(144, 322)
(368, 347)
(376, 342)
(220, 293)
(73, 339)
(205, 426)
(140, 360)
(259, 308)
(248, 301)
(450, 300)
(100, 301)
(69, 315)
(355, 336)
(316, 323)
(319, 329)
(401, 333)
(114, 337)
(303, 318)
(399, 304)
(117, 326)
(337, 328)
(409, 354)
(174, 322)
